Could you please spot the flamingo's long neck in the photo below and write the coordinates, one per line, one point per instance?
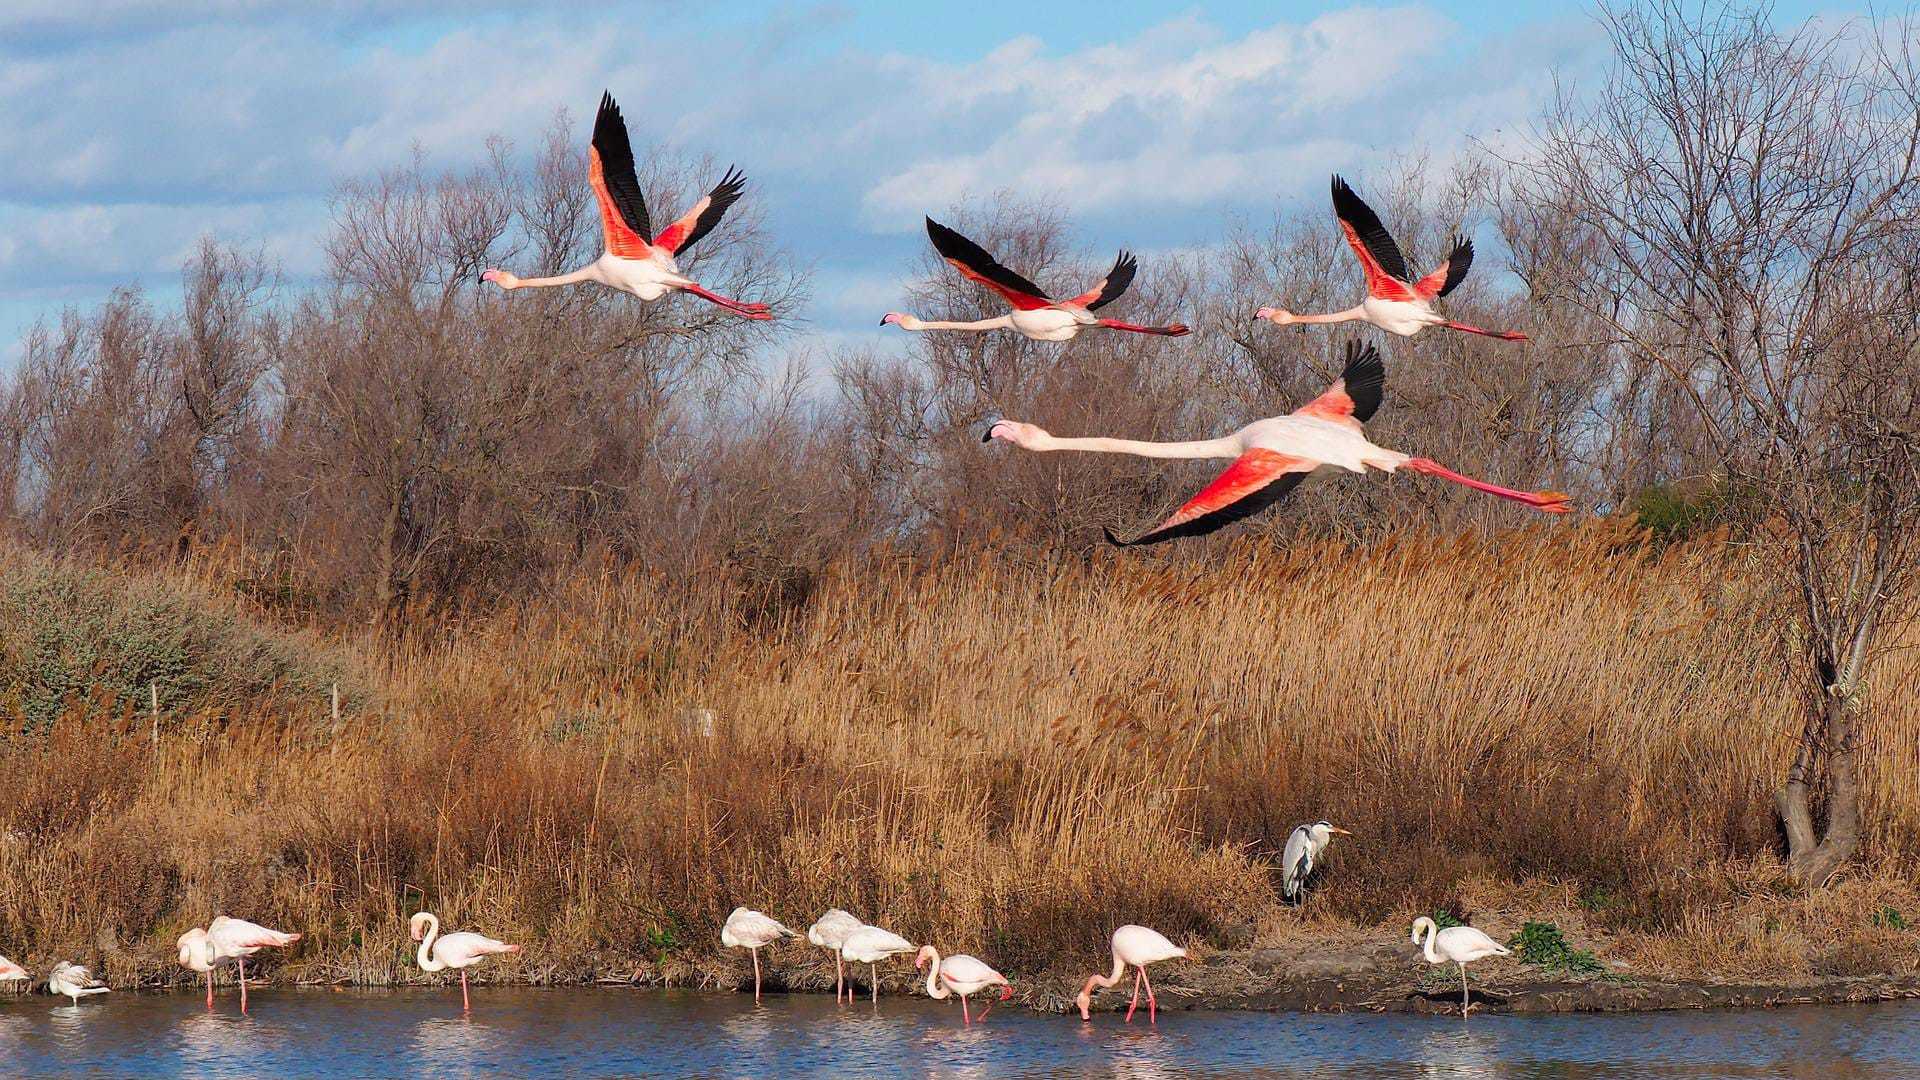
(1352, 314)
(585, 273)
(1203, 448)
(1119, 969)
(1432, 931)
(935, 989)
(911, 323)
(425, 954)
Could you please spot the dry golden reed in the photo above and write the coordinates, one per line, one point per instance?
(1002, 758)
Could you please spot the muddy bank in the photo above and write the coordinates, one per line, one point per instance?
(1387, 979)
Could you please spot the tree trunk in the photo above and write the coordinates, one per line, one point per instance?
(389, 537)
(1830, 739)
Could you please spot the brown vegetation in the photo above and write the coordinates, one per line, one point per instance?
(1008, 758)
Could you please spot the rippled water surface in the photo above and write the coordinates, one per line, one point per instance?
(586, 1032)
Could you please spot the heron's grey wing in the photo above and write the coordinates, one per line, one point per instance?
(1297, 862)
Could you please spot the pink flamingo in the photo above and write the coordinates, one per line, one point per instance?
(238, 939)
(12, 972)
(632, 263)
(830, 932)
(748, 929)
(961, 975)
(869, 945)
(1272, 456)
(1395, 302)
(197, 954)
(459, 950)
(1034, 314)
(1139, 946)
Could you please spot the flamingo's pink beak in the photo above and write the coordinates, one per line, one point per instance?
(1006, 991)
(889, 319)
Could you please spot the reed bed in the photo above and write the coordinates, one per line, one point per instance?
(1003, 758)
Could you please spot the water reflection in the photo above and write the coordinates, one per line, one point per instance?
(608, 1033)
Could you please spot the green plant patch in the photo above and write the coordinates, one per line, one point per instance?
(1543, 945)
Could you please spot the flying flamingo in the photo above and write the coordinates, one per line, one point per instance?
(237, 939)
(1272, 456)
(1139, 946)
(1304, 846)
(12, 972)
(1456, 944)
(748, 929)
(460, 950)
(1395, 302)
(869, 945)
(830, 933)
(74, 981)
(632, 263)
(962, 975)
(1033, 314)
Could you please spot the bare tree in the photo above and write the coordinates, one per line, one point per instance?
(1747, 208)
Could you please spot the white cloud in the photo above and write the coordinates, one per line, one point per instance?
(269, 104)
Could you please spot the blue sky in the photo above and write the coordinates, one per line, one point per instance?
(133, 127)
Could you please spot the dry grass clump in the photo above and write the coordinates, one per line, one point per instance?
(1003, 758)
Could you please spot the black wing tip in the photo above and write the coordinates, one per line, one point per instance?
(948, 241)
(1114, 538)
(1365, 379)
(732, 183)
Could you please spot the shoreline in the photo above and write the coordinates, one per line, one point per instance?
(1270, 980)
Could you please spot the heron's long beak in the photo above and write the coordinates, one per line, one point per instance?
(1338, 829)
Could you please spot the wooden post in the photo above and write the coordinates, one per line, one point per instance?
(153, 704)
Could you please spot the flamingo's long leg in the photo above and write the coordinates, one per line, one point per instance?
(1464, 993)
(1551, 502)
(1135, 1003)
(741, 307)
(756, 975)
(1153, 1006)
(873, 977)
(243, 985)
(1171, 330)
(965, 1016)
(209, 989)
(1503, 335)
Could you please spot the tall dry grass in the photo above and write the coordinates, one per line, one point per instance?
(1001, 757)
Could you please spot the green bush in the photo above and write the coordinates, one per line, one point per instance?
(1542, 944)
(73, 637)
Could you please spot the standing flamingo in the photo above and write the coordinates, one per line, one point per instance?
(197, 954)
(962, 975)
(1395, 302)
(1304, 846)
(1456, 944)
(632, 263)
(1034, 314)
(830, 933)
(1139, 946)
(12, 972)
(869, 945)
(460, 950)
(1272, 456)
(748, 929)
(75, 981)
(238, 939)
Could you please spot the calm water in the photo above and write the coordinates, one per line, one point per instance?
(580, 1032)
